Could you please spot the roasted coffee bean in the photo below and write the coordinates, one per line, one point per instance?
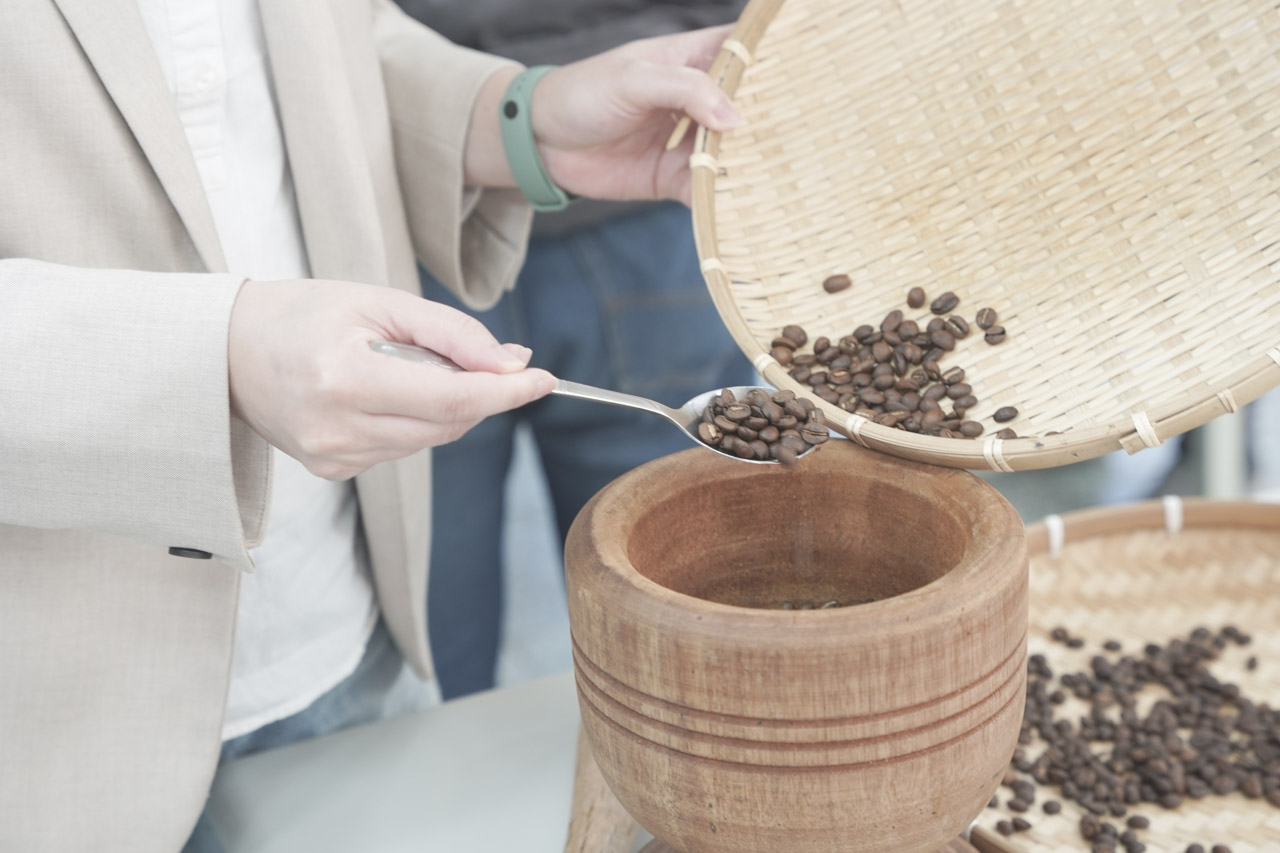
(817, 377)
(1004, 827)
(881, 351)
(908, 330)
(995, 335)
(814, 435)
(821, 344)
(726, 426)
(769, 434)
(1004, 414)
(756, 422)
(796, 409)
(915, 297)
(953, 376)
(1137, 822)
(1051, 807)
(784, 454)
(986, 318)
(1195, 848)
(760, 449)
(793, 441)
(784, 341)
(1221, 848)
(862, 333)
(957, 326)
(710, 434)
(746, 433)
(937, 324)
(871, 397)
(795, 333)
(800, 374)
(884, 381)
(1252, 663)
(900, 364)
(971, 429)
(743, 449)
(945, 303)
(891, 321)
(1021, 824)
(957, 390)
(1006, 434)
(931, 369)
(943, 340)
(968, 401)
(782, 355)
(837, 283)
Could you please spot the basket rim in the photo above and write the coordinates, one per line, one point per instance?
(1128, 432)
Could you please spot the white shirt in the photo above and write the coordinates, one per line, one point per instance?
(308, 609)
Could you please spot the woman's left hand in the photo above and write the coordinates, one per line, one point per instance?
(602, 123)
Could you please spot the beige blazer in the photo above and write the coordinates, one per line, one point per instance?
(116, 440)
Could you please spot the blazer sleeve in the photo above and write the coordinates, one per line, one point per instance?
(475, 244)
(114, 409)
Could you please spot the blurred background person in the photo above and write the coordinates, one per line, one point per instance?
(611, 294)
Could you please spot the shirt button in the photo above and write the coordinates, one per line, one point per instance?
(190, 553)
(205, 78)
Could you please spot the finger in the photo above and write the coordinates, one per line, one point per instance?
(457, 336)
(671, 87)
(429, 393)
(698, 48)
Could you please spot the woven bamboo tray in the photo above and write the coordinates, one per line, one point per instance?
(1105, 175)
(1149, 573)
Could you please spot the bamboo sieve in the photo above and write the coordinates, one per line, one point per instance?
(1148, 573)
(1105, 175)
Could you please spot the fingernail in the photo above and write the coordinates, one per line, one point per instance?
(727, 116)
(514, 355)
(545, 382)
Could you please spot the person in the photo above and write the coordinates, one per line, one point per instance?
(211, 210)
(611, 294)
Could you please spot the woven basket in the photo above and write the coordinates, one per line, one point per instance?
(1148, 573)
(1105, 175)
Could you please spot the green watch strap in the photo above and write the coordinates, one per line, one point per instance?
(522, 149)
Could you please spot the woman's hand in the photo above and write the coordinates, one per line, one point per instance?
(303, 377)
(602, 124)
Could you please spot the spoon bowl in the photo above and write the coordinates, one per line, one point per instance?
(687, 417)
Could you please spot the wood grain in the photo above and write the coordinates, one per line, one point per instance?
(725, 724)
(598, 823)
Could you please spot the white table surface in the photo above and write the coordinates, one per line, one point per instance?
(490, 773)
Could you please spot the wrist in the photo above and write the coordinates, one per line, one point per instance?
(484, 162)
(520, 139)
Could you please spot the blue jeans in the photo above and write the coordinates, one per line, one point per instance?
(620, 305)
(381, 686)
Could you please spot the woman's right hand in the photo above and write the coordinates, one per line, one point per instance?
(302, 374)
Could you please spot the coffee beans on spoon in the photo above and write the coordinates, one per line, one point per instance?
(763, 426)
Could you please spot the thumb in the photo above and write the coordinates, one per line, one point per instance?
(459, 337)
(679, 88)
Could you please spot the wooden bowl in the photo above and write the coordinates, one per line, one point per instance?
(726, 726)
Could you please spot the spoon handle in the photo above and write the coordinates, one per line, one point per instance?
(563, 387)
(566, 388)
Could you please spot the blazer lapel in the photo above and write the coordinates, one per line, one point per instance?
(114, 38)
(327, 157)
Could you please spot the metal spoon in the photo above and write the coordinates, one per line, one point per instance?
(687, 417)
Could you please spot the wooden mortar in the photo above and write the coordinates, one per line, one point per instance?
(725, 728)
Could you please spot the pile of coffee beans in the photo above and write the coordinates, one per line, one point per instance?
(891, 374)
(763, 426)
(1206, 739)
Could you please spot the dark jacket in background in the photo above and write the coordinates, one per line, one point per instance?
(555, 32)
